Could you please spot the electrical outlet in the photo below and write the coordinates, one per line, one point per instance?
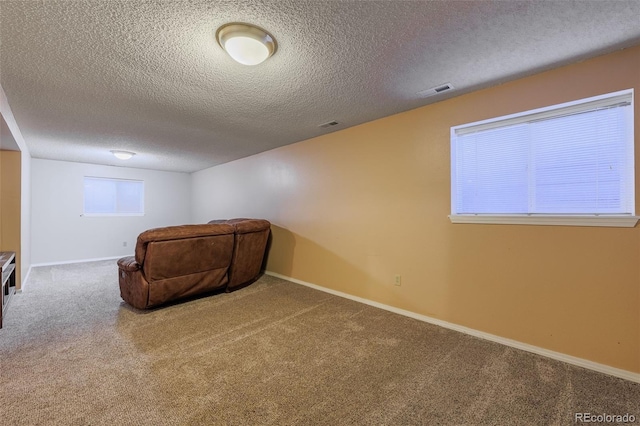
(124, 244)
(398, 280)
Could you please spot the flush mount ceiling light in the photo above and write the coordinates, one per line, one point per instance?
(246, 43)
(123, 155)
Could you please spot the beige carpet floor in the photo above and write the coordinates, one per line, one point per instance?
(274, 353)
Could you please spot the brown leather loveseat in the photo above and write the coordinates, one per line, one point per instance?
(176, 262)
(251, 236)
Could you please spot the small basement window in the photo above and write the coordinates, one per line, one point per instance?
(113, 197)
(568, 164)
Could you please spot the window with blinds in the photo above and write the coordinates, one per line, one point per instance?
(113, 197)
(573, 159)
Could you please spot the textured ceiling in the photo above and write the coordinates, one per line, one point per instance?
(85, 77)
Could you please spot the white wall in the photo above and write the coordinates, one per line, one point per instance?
(25, 198)
(228, 184)
(25, 213)
(61, 234)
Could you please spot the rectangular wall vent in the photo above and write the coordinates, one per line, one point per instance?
(435, 90)
(329, 124)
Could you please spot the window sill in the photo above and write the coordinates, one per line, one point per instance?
(565, 220)
(110, 214)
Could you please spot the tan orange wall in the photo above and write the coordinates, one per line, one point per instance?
(353, 208)
(10, 212)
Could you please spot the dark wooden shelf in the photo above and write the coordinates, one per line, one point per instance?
(8, 264)
(7, 274)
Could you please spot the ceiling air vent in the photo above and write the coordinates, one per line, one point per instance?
(329, 124)
(435, 90)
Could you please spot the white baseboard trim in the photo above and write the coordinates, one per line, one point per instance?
(66, 262)
(24, 280)
(580, 362)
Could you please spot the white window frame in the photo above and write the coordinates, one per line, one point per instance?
(616, 220)
(114, 214)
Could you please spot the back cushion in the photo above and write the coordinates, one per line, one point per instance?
(174, 258)
(248, 256)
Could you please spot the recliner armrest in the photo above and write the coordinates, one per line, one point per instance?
(129, 264)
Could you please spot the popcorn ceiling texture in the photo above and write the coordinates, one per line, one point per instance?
(85, 77)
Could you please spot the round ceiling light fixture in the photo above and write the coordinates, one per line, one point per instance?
(123, 155)
(245, 43)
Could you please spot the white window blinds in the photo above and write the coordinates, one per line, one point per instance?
(574, 158)
(115, 197)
